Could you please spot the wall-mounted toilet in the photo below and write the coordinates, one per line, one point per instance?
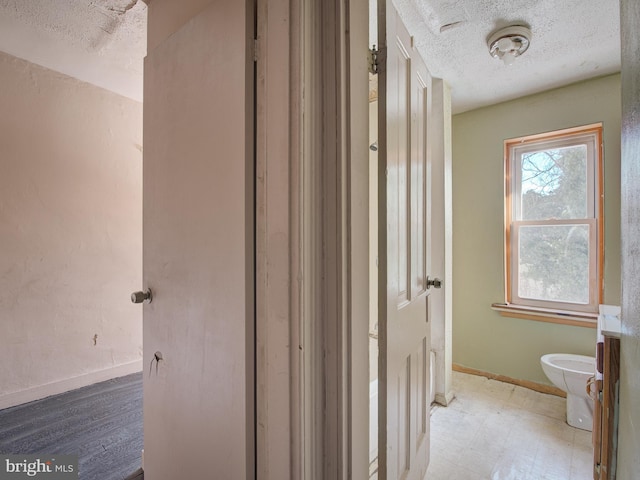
(571, 373)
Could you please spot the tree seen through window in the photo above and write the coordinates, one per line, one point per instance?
(554, 259)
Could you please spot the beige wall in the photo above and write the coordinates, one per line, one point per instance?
(70, 232)
(482, 339)
(165, 17)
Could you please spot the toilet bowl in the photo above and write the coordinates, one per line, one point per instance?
(571, 373)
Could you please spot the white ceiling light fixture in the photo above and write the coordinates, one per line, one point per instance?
(509, 43)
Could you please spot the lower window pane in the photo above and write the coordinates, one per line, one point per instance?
(554, 263)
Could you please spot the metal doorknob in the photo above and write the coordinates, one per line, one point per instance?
(435, 283)
(139, 297)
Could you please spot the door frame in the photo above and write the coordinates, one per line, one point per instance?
(312, 239)
(275, 182)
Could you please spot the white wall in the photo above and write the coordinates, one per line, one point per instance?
(70, 232)
(441, 301)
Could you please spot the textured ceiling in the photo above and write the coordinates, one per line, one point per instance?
(98, 41)
(572, 40)
(104, 42)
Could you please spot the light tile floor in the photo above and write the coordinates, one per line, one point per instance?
(498, 431)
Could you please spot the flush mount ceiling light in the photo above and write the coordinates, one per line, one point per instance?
(509, 43)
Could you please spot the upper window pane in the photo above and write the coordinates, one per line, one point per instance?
(554, 184)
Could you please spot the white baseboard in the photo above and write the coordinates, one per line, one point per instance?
(42, 391)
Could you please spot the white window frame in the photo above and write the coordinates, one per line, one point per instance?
(591, 136)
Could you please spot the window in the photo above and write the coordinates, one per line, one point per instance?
(553, 227)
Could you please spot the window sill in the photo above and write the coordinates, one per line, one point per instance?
(564, 317)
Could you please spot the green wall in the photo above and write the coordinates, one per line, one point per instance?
(482, 339)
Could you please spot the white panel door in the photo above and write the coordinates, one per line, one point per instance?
(199, 250)
(404, 331)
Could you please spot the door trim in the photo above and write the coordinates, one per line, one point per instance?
(275, 184)
(342, 47)
(312, 233)
(345, 192)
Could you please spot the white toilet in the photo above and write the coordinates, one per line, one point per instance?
(571, 373)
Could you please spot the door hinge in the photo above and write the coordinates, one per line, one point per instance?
(255, 49)
(375, 57)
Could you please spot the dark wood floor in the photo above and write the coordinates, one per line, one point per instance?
(101, 423)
